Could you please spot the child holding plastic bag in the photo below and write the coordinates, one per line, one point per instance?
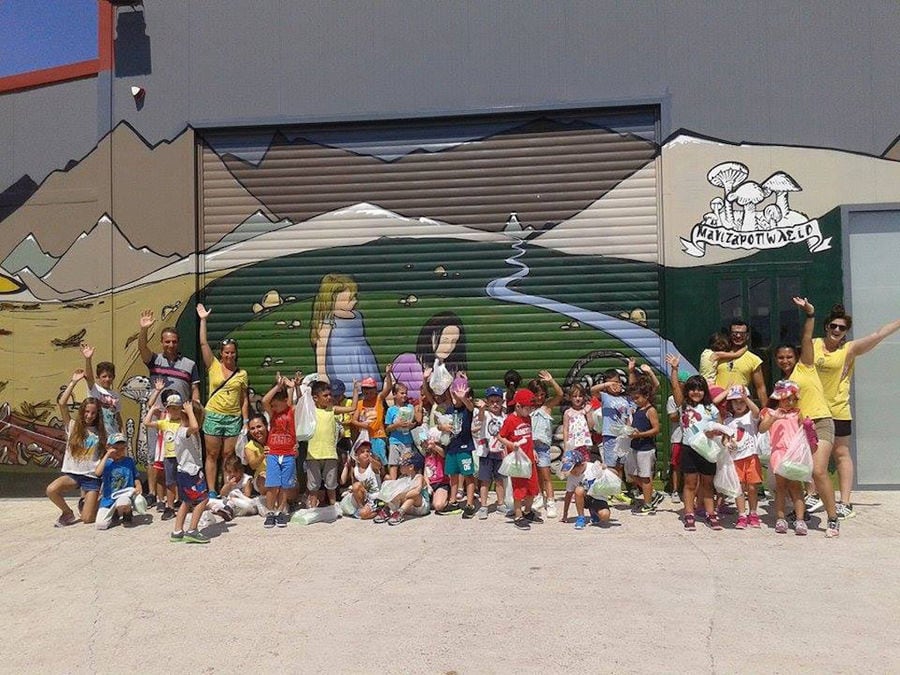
(697, 411)
(486, 425)
(741, 444)
(233, 499)
(515, 434)
(401, 417)
(413, 500)
(542, 430)
(364, 472)
(783, 424)
(579, 480)
(438, 482)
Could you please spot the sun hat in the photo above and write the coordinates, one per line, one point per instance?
(736, 392)
(368, 382)
(785, 389)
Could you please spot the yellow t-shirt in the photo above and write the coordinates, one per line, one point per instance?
(227, 400)
(812, 402)
(708, 364)
(168, 429)
(255, 454)
(830, 365)
(323, 443)
(739, 371)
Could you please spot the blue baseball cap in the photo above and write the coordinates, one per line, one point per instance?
(493, 391)
(570, 460)
(116, 438)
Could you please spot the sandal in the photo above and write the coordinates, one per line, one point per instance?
(690, 523)
(713, 521)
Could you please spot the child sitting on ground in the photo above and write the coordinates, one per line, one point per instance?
(364, 474)
(438, 483)
(120, 484)
(234, 498)
(412, 502)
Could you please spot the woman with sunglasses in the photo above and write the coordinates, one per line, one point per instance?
(834, 358)
(228, 406)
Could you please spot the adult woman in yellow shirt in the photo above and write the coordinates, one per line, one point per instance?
(834, 358)
(228, 407)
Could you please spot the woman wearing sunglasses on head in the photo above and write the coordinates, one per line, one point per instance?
(834, 358)
(228, 407)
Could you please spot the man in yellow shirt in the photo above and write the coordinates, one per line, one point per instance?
(745, 369)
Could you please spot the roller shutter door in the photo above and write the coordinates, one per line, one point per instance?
(524, 241)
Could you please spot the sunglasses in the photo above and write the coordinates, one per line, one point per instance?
(229, 341)
(738, 332)
(837, 326)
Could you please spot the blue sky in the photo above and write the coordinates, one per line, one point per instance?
(37, 34)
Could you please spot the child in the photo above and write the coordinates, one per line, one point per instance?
(85, 436)
(101, 389)
(515, 434)
(281, 450)
(364, 475)
(742, 421)
(368, 415)
(192, 488)
(542, 431)
(640, 462)
(783, 423)
(167, 426)
(696, 409)
(675, 436)
(400, 418)
(413, 502)
(234, 499)
(616, 411)
(120, 484)
(581, 476)
(486, 425)
(512, 380)
(716, 352)
(438, 483)
(321, 454)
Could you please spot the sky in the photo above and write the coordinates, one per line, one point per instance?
(36, 34)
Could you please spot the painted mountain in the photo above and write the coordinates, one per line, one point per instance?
(29, 254)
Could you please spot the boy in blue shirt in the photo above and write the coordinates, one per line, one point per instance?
(120, 484)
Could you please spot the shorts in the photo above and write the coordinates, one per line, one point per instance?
(191, 489)
(86, 483)
(459, 464)
(594, 504)
(541, 455)
(826, 429)
(640, 463)
(675, 454)
(318, 470)
(422, 510)
(170, 466)
(440, 486)
(749, 470)
(489, 469)
(396, 452)
(217, 424)
(379, 449)
(843, 428)
(610, 456)
(281, 471)
(692, 462)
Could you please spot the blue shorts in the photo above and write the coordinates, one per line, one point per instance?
(170, 466)
(192, 489)
(379, 449)
(86, 483)
(610, 458)
(281, 471)
(489, 469)
(459, 464)
(541, 455)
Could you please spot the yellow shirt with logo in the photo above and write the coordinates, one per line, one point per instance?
(227, 400)
(738, 371)
(168, 429)
(830, 366)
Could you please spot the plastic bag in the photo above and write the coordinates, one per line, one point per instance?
(206, 519)
(444, 420)
(763, 446)
(605, 485)
(322, 514)
(391, 489)
(240, 444)
(420, 435)
(726, 481)
(140, 505)
(707, 448)
(797, 461)
(348, 505)
(508, 500)
(440, 379)
(243, 506)
(305, 412)
(516, 465)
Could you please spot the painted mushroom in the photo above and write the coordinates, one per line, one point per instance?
(748, 195)
(770, 217)
(781, 184)
(717, 204)
(727, 175)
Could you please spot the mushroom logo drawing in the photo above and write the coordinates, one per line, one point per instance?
(741, 218)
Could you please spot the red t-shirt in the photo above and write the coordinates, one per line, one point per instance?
(517, 428)
(282, 437)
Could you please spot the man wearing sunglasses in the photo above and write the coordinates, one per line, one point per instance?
(744, 370)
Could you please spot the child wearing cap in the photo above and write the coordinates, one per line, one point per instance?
(486, 426)
(363, 472)
(742, 420)
(400, 418)
(368, 414)
(413, 502)
(167, 428)
(515, 434)
(783, 423)
(120, 484)
(580, 475)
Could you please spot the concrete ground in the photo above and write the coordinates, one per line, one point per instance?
(443, 595)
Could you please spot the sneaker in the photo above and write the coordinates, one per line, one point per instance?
(844, 511)
(753, 520)
(781, 526)
(396, 518)
(160, 506)
(213, 494)
(176, 537)
(80, 504)
(741, 523)
(690, 523)
(168, 514)
(270, 520)
(813, 503)
(65, 520)
(658, 498)
(623, 498)
(522, 523)
(483, 513)
(580, 523)
(538, 502)
(459, 496)
(532, 517)
(195, 537)
(645, 509)
(800, 528)
(450, 510)
(675, 497)
(713, 521)
(282, 519)
(501, 509)
(595, 519)
(468, 512)
(128, 519)
(550, 509)
(381, 516)
(226, 513)
(150, 499)
(834, 529)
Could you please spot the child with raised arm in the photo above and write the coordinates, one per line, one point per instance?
(101, 389)
(542, 431)
(281, 450)
(363, 473)
(321, 454)
(121, 484)
(192, 489)
(85, 438)
(166, 428)
(742, 421)
(640, 462)
(368, 415)
(716, 352)
(616, 411)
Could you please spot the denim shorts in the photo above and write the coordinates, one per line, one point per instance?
(86, 483)
(281, 471)
(542, 455)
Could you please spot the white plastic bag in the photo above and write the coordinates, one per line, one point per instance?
(322, 514)
(797, 461)
(243, 506)
(516, 465)
(240, 445)
(508, 501)
(305, 415)
(707, 448)
(726, 481)
(440, 379)
(139, 505)
(420, 435)
(606, 485)
(391, 489)
(763, 446)
(348, 505)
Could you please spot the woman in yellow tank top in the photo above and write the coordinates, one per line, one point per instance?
(834, 358)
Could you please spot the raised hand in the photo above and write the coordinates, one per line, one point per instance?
(673, 361)
(631, 363)
(86, 350)
(805, 305)
(202, 312)
(545, 375)
(78, 375)
(147, 318)
(645, 368)
(159, 383)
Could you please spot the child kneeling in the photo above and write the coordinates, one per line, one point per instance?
(120, 484)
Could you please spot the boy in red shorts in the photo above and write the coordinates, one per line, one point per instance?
(516, 434)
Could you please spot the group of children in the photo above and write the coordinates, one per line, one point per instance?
(385, 456)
